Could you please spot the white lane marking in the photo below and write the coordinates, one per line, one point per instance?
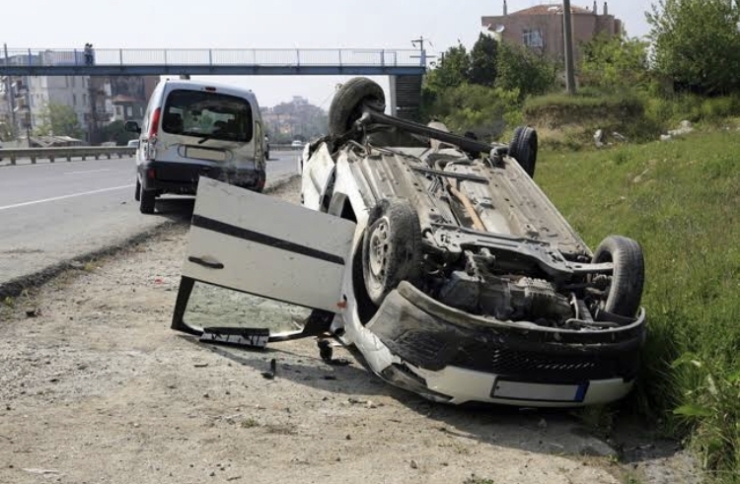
(53, 199)
(86, 171)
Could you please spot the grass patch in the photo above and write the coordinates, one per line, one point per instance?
(680, 200)
(569, 122)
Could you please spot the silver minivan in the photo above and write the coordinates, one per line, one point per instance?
(194, 128)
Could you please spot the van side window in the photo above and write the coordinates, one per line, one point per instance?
(208, 114)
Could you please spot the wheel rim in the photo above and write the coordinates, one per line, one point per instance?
(379, 244)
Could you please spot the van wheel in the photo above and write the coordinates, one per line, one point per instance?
(137, 194)
(349, 101)
(147, 202)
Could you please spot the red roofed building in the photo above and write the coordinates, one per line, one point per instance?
(541, 27)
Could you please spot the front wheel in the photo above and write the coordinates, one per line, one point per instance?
(391, 248)
(137, 193)
(624, 291)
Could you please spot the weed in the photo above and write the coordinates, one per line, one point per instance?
(620, 157)
(477, 480)
(599, 419)
(249, 423)
(684, 213)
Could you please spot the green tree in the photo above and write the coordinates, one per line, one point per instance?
(59, 120)
(451, 71)
(616, 62)
(483, 59)
(115, 132)
(482, 110)
(521, 69)
(697, 43)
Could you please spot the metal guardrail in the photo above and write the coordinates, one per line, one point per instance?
(67, 152)
(96, 152)
(215, 57)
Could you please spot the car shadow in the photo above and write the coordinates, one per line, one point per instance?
(543, 431)
(176, 209)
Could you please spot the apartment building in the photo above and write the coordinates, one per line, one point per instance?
(541, 27)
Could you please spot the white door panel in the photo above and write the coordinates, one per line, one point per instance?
(260, 245)
(315, 179)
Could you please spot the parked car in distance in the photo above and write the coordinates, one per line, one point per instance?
(134, 143)
(296, 144)
(194, 128)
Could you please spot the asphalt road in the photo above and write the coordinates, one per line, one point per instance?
(52, 212)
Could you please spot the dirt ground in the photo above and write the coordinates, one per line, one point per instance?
(96, 388)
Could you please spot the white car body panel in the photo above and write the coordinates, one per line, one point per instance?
(289, 256)
(316, 177)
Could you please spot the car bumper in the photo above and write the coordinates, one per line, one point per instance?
(173, 177)
(450, 356)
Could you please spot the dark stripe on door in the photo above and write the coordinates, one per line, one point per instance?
(241, 233)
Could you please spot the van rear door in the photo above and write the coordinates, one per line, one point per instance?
(207, 125)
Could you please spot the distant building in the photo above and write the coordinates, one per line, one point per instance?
(129, 96)
(72, 91)
(96, 101)
(541, 27)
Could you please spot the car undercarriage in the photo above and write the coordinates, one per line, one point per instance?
(443, 262)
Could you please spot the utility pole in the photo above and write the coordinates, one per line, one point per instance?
(570, 81)
(92, 126)
(422, 51)
(10, 95)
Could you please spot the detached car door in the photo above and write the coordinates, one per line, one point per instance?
(255, 244)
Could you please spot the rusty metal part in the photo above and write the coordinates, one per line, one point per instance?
(477, 222)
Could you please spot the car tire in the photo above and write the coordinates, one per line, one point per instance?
(147, 202)
(347, 105)
(137, 194)
(391, 248)
(523, 148)
(628, 278)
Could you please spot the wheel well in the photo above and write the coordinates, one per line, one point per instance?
(341, 207)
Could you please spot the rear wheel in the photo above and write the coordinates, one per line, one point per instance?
(137, 194)
(391, 249)
(349, 101)
(523, 148)
(147, 201)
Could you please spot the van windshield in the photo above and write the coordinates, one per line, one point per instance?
(208, 115)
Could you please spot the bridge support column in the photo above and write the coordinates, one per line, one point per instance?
(393, 95)
(406, 96)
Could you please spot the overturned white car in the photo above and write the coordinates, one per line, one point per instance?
(437, 256)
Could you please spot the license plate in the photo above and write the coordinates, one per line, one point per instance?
(540, 392)
(205, 154)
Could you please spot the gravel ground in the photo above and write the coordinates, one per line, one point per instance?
(95, 388)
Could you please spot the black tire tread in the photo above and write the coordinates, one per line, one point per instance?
(628, 278)
(523, 148)
(148, 201)
(346, 105)
(406, 254)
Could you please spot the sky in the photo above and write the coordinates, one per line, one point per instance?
(252, 24)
